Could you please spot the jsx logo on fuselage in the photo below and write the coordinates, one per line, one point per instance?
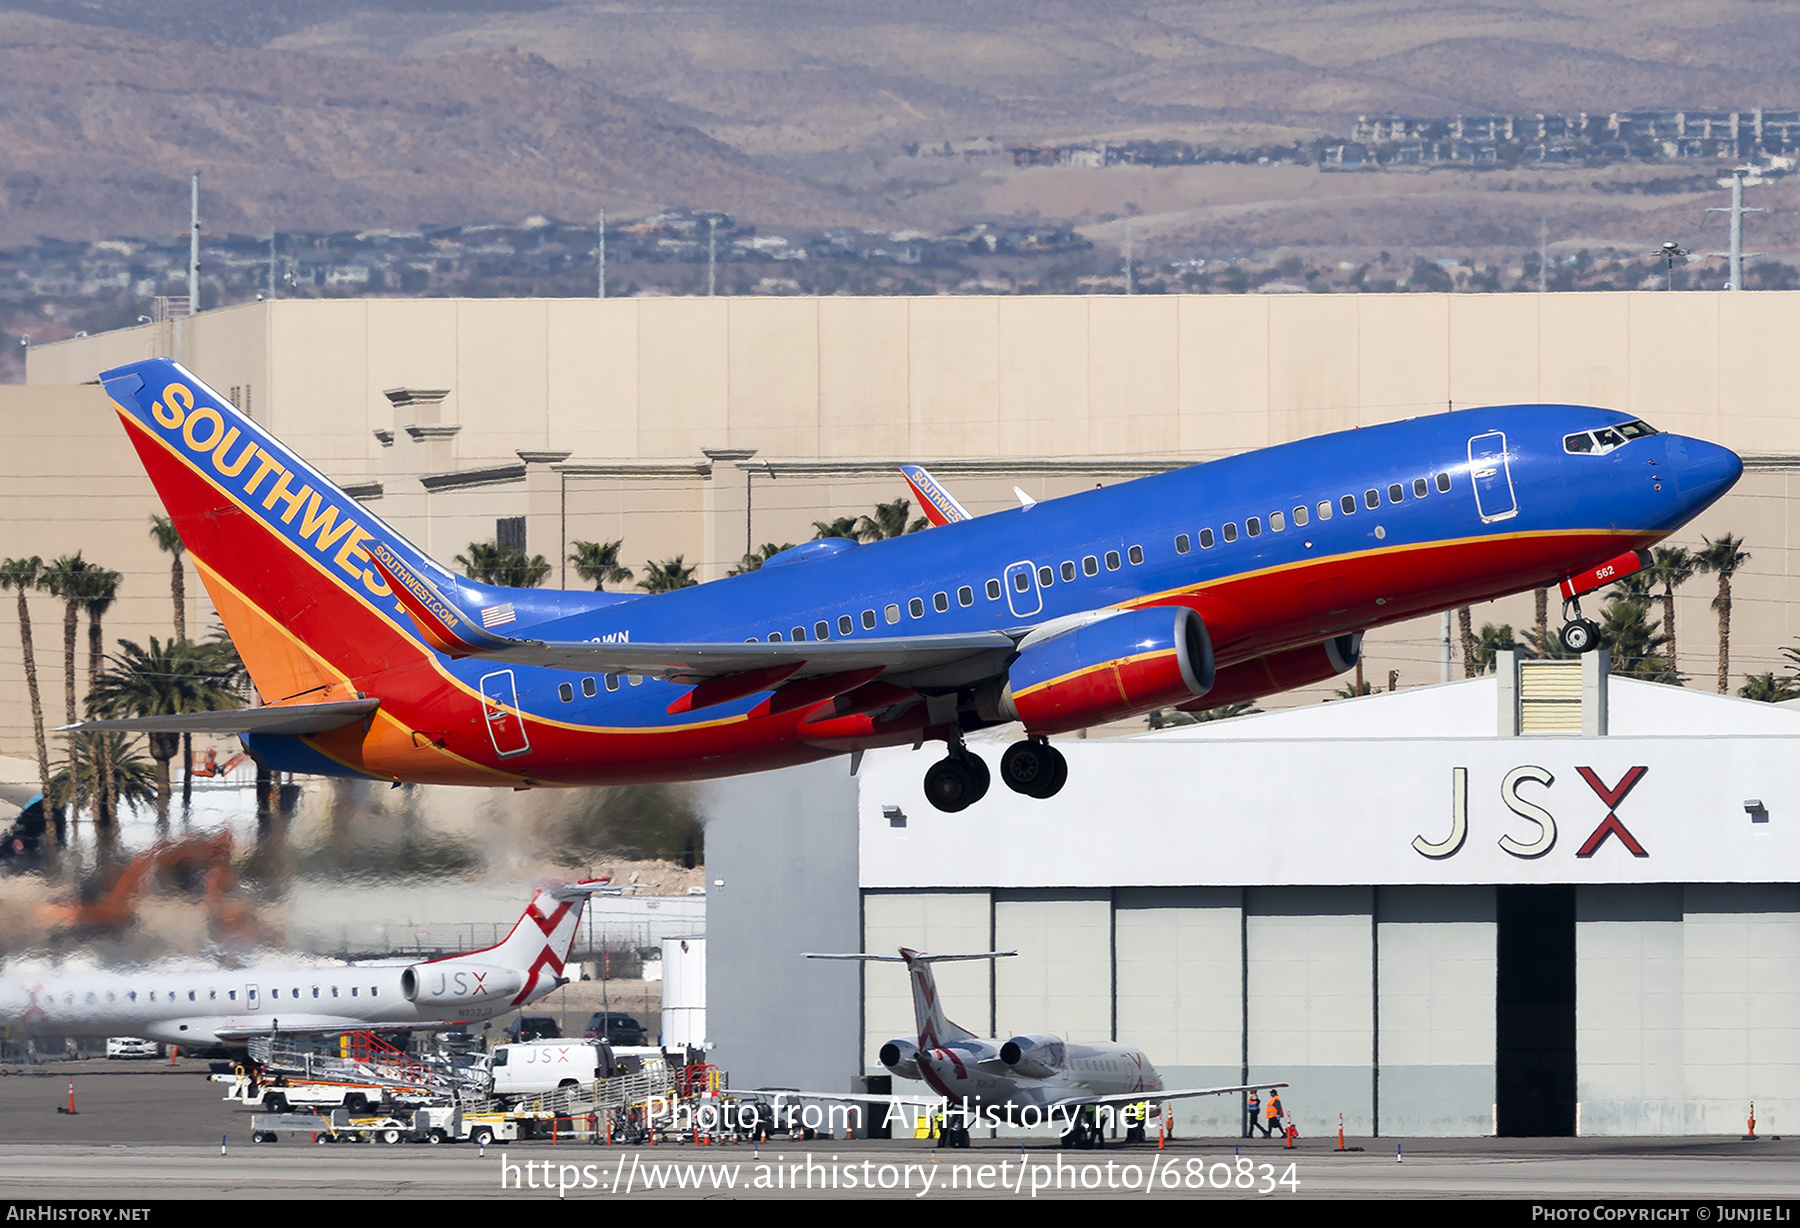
(1535, 814)
(462, 985)
(326, 528)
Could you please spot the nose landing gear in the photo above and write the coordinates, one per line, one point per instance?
(1578, 635)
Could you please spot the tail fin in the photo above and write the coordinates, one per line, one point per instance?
(938, 504)
(540, 941)
(935, 1028)
(283, 551)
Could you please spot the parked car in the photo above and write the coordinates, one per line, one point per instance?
(615, 1028)
(534, 1027)
(131, 1046)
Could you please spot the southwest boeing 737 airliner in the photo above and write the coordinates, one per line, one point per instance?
(1223, 581)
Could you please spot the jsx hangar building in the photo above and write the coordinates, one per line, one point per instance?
(1541, 902)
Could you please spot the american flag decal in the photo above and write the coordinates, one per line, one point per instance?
(497, 615)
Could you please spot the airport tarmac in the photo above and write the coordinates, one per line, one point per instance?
(144, 1132)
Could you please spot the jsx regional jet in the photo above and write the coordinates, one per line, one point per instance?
(1219, 582)
(228, 1005)
(1029, 1080)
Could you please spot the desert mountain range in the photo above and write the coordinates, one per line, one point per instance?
(327, 114)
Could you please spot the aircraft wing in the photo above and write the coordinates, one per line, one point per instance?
(923, 1102)
(975, 655)
(1183, 1093)
(315, 1025)
(925, 660)
(270, 718)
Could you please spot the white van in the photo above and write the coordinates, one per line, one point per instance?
(545, 1065)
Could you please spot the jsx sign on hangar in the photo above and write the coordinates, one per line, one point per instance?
(1543, 822)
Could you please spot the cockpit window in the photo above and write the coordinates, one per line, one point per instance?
(1604, 440)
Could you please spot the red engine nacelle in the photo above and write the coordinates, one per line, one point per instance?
(1280, 671)
(1116, 666)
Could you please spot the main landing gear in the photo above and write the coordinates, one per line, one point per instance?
(1578, 635)
(959, 780)
(1034, 767)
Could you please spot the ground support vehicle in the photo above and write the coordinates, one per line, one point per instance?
(281, 1095)
(597, 1112)
(339, 1127)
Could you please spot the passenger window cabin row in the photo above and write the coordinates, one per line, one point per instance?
(1302, 516)
(1047, 575)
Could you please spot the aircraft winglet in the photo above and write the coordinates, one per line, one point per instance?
(939, 505)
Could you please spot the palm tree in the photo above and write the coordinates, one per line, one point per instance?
(99, 589)
(1722, 558)
(1165, 718)
(1541, 624)
(667, 576)
(754, 560)
(888, 521)
(1491, 642)
(1625, 629)
(843, 526)
(165, 679)
(64, 579)
(1466, 633)
(598, 563)
(169, 542)
(1671, 566)
(1353, 690)
(506, 566)
(25, 575)
(1769, 689)
(113, 758)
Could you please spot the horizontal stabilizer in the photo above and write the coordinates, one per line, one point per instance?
(915, 957)
(289, 719)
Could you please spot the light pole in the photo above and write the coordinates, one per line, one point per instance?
(712, 252)
(1737, 212)
(1671, 252)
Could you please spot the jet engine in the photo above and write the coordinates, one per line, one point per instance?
(455, 982)
(1113, 667)
(901, 1057)
(1281, 671)
(1034, 1056)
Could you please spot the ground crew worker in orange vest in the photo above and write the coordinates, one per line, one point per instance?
(1274, 1114)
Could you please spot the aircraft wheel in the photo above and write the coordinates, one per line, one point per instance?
(983, 777)
(1026, 766)
(1580, 636)
(952, 784)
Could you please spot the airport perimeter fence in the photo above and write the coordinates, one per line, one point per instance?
(625, 937)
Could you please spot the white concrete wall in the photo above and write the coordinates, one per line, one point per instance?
(1437, 969)
(1181, 993)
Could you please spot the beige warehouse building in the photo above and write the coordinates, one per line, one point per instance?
(706, 427)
